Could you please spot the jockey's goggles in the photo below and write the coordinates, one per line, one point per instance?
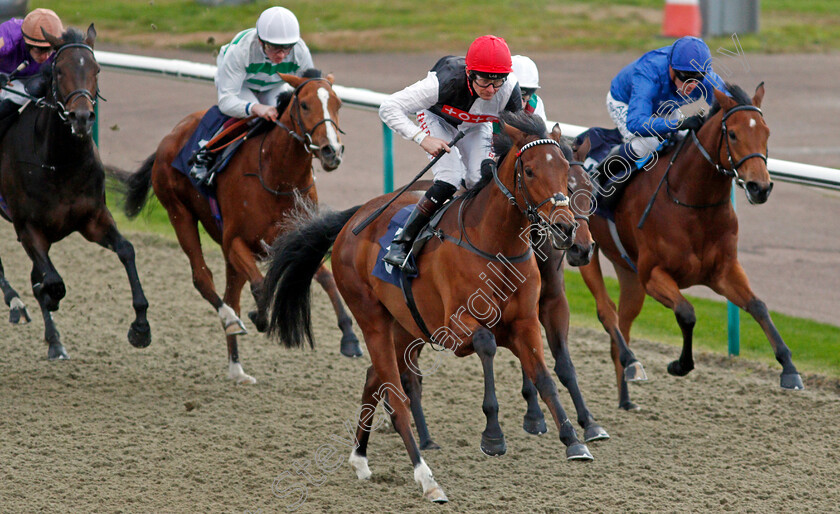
(271, 47)
(496, 80)
(685, 76)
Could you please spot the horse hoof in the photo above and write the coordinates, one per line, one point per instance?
(578, 451)
(493, 446)
(238, 375)
(350, 346)
(436, 495)
(17, 311)
(676, 369)
(235, 328)
(535, 426)
(429, 445)
(56, 352)
(792, 381)
(259, 322)
(628, 406)
(635, 372)
(140, 334)
(595, 433)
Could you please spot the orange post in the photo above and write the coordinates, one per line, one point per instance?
(682, 18)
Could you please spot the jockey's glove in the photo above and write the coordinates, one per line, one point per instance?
(691, 123)
(4, 78)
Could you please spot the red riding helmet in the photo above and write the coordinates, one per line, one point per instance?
(489, 54)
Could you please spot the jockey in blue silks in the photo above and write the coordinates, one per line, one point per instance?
(645, 96)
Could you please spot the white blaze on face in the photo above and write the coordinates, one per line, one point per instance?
(332, 136)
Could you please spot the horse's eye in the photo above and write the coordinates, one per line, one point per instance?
(732, 136)
(304, 106)
(529, 172)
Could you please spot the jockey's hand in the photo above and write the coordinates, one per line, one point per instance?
(265, 112)
(433, 145)
(692, 123)
(4, 78)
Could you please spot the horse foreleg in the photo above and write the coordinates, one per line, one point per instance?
(735, 286)
(47, 287)
(662, 287)
(235, 281)
(554, 316)
(412, 383)
(349, 342)
(17, 309)
(534, 421)
(104, 232)
(186, 230)
(526, 344)
(492, 439)
(627, 367)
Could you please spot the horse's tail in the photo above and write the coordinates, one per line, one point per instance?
(138, 184)
(295, 258)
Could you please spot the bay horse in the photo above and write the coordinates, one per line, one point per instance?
(691, 234)
(491, 227)
(266, 178)
(554, 315)
(54, 184)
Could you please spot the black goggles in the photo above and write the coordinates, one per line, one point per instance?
(277, 48)
(685, 76)
(497, 80)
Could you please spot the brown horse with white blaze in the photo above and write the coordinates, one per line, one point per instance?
(488, 226)
(265, 180)
(690, 236)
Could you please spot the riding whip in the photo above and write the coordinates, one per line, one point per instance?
(361, 226)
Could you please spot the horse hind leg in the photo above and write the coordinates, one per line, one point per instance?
(18, 314)
(349, 342)
(411, 378)
(233, 291)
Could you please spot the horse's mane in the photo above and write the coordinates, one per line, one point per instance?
(739, 95)
(72, 35)
(502, 143)
(285, 97)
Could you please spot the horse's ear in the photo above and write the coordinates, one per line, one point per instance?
(759, 95)
(54, 41)
(556, 133)
(91, 36)
(724, 101)
(292, 80)
(515, 134)
(583, 150)
(330, 78)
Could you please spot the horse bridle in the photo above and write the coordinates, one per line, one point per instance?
(531, 210)
(297, 118)
(61, 106)
(732, 171)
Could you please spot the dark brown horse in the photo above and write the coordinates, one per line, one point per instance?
(553, 312)
(691, 234)
(468, 311)
(263, 182)
(54, 184)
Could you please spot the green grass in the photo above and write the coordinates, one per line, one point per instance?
(815, 346)
(442, 25)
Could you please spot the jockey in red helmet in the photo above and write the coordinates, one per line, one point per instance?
(458, 94)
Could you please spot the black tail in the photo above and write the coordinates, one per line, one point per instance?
(138, 184)
(295, 257)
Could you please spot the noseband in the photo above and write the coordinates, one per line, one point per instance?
(61, 106)
(732, 171)
(297, 118)
(530, 210)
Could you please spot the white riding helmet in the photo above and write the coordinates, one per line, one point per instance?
(526, 71)
(278, 26)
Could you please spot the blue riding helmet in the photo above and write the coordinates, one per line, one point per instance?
(690, 54)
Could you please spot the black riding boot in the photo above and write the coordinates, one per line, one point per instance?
(424, 210)
(202, 162)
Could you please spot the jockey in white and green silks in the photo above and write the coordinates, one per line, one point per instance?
(246, 78)
(529, 81)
